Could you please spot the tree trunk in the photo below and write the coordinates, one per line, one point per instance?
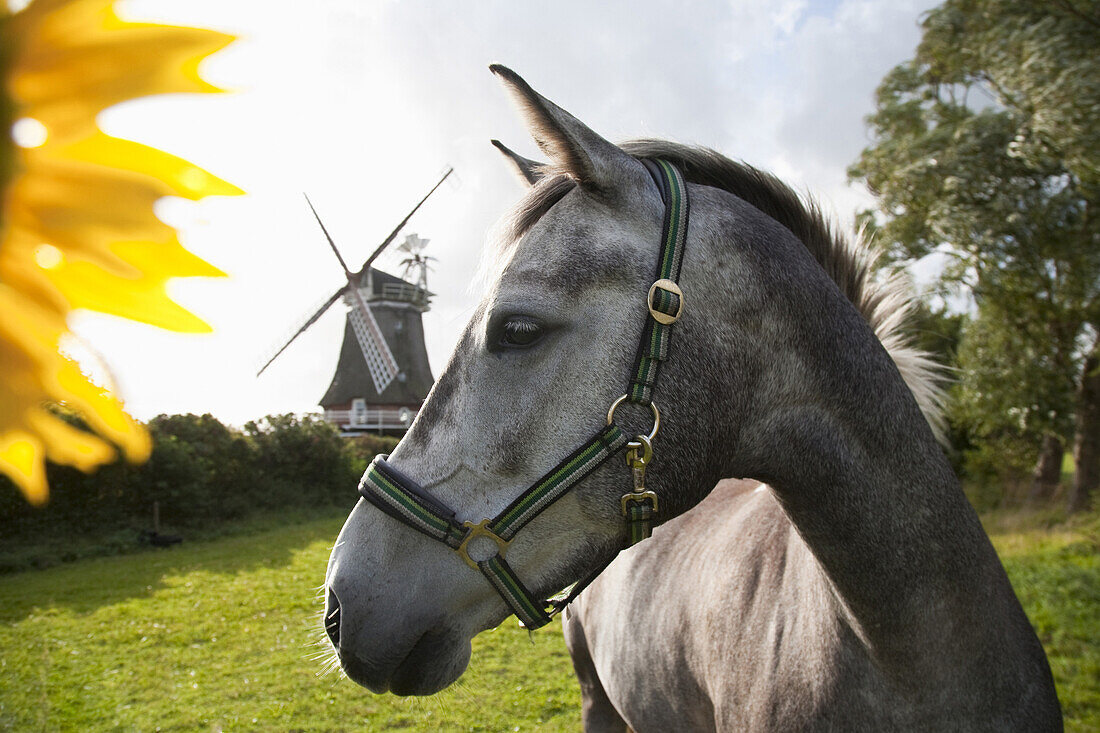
(1086, 441)
(1048, 470)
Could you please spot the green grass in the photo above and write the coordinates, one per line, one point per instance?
(1055, 568)
(219, 635)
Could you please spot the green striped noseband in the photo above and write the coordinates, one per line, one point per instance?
(404, 499)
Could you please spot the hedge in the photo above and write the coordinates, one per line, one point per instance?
(201, 473)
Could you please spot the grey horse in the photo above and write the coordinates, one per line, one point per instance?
(849, 586)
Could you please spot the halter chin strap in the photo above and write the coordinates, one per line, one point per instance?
(483, 545)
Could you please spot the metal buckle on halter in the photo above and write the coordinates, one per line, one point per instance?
(638, 497)
(671, 287)
(639, 452)
(481, 529)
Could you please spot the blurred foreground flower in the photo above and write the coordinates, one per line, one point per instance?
(77, 228)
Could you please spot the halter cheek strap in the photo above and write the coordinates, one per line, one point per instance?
(665, 299)
(396, 494)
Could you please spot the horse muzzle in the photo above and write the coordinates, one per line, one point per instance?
(417, 659)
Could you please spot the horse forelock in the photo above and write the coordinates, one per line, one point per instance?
(882, 294)
(507, 233)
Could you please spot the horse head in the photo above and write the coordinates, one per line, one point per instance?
(549, 348)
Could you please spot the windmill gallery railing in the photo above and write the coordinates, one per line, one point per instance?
(405, 292)
(385, 418)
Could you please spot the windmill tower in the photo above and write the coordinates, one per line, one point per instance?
(382, 376)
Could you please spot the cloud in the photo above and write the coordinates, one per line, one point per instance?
(362, 104)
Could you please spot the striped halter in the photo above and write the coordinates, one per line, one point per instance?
(403, 499)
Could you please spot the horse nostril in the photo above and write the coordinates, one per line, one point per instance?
(332, 618)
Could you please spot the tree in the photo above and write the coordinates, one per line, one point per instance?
(1014, 402)
(985, 147)
(937, 331)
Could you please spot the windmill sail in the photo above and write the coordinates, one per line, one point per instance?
(309, 322)
(401, 225)
(379, 358)
(376, 352)
(383, 367)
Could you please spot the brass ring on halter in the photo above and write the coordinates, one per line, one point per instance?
(481, 529)
(652, 408)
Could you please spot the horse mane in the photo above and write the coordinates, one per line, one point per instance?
(881, 293)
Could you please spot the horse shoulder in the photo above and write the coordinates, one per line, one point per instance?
(722, 619)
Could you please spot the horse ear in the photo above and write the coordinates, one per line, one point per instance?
(569, 143)
(529, 170)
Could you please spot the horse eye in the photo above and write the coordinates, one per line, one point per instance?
(520, 332)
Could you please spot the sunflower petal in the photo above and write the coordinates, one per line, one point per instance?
(36, 374)
(78, 226)
(142, 298)
(116, 202)
(69, 445)
(152, 166)
(78, 58)
(103, 412)
(21, 461)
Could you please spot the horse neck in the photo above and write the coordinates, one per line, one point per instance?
(837, 434)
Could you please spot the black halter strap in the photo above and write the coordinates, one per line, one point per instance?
(396, 494)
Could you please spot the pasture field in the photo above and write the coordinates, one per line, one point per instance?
(220, 635)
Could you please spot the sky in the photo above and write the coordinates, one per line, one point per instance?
(363, 104)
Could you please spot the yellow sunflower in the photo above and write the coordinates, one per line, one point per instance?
(77, 228)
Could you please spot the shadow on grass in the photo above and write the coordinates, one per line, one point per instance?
(86, 585)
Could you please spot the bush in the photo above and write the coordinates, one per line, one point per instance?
(301, 456)
(365, 447)
(201, 474)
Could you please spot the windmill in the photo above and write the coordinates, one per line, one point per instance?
(416, 262)
(383, 337)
